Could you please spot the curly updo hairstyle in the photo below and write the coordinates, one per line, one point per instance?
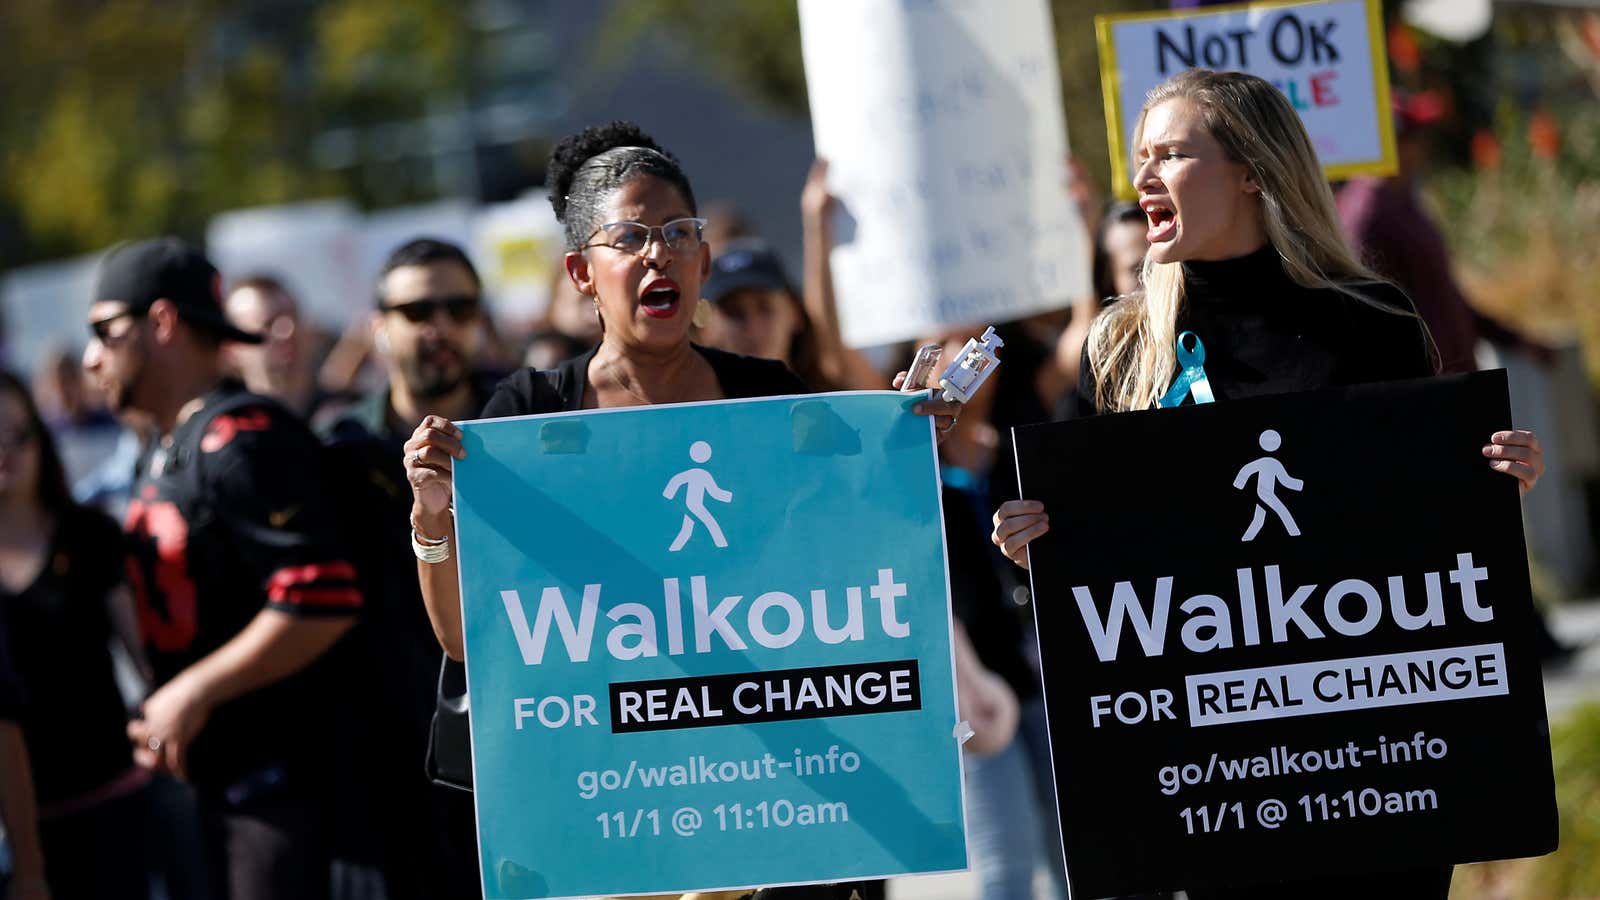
(586, 167)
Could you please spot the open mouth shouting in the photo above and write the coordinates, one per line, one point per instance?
(660, 298)
(1163, 220)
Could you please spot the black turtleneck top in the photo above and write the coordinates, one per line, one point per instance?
(1264, 334)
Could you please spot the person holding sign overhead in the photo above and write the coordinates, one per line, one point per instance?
(1249, 289)
(635, 249)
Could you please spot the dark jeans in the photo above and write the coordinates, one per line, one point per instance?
(1011, 813)
(429, 849)
(100, 853)
(177, 847)
(268, 845)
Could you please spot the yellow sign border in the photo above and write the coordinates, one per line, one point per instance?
(1387, 162)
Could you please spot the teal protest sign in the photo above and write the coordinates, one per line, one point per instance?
(708, 646)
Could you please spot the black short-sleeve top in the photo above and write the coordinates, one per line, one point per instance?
(13, 703)
(529, 392)
(60, 626)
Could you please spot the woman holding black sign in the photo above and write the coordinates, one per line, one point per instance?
(1248, 265)
(634, 247)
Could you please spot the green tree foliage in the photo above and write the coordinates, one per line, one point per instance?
(374, 57)
(83, 85)
(1575, 751)
(1519, 210)
(756, 48)
(1080, 77)
(122, 118)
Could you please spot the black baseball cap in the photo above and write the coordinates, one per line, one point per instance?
(746, 265)
(168, 268)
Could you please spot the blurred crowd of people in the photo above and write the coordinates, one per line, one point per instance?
(158, 769)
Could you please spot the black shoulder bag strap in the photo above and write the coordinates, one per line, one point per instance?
(449, 760)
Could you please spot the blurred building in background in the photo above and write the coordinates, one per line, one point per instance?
(308, 138)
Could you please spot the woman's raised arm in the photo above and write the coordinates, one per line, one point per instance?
(430, 453)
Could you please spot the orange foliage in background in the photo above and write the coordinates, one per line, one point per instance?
(1522, 219)
(1544, 135)
(1522, 225)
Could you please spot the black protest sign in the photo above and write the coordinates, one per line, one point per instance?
(1288, 637)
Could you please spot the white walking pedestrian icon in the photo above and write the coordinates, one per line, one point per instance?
(1269, 473)
(697, 483)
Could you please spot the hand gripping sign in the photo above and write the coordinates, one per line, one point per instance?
(712, 639)
(1290, 640)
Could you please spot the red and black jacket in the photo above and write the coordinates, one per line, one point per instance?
(231, 515)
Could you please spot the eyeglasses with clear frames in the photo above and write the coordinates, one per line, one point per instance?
(680, 235)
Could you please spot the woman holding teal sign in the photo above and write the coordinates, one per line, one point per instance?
(635, 248)
(1248, 289)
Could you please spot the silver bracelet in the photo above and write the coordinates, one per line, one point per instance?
(433, 552)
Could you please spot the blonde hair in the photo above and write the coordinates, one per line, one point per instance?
(1131, 347)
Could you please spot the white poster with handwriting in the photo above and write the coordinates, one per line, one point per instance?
(1328, 58)
(942, 123)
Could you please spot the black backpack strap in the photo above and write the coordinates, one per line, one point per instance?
(203, 501)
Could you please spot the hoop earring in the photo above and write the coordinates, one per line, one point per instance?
(702, 314)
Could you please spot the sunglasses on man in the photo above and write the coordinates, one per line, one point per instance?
(460, 309)
(100, 329)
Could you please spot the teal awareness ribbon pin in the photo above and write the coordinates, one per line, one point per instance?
(1192, 377)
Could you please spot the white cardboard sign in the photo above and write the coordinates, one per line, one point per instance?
(942, 123)
(1328, 57)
